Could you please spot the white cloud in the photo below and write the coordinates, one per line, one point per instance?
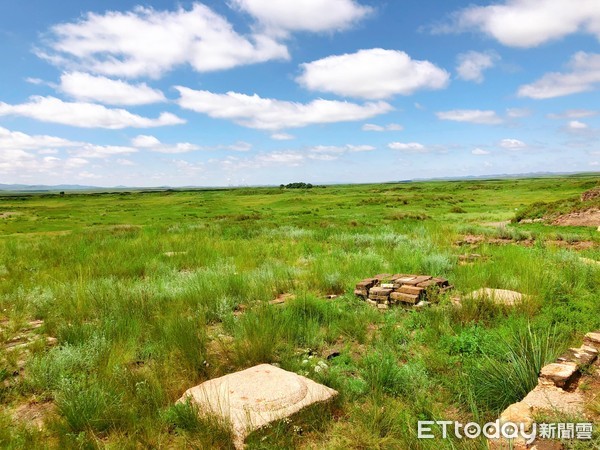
(282, 137)
(21, 153)
(42, 143)
(304, 15)
(516, 113)
(153, 144)
(471, 65)
(573, 114)
(340, 150)
(125, 162)
(372, 74)
(512, 144)
(86, 87)
(269, 114)
(102, 151)
(239, 146)
(84, 115)
(146, 42)
(584, 76)
(477, 116)
(380, 128)
(480, 151)
(529, 23)
(411, 147)
(577, 125)
(287, 158)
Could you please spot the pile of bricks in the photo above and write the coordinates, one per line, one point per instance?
(385, 289)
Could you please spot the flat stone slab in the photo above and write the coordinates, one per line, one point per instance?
(518, 413)
(498, 296)
(547, 397)
(559, 373)
(593, 339)
(254, 397)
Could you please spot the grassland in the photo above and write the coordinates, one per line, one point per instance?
(149, 294)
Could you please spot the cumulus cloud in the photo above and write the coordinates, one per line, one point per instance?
(372, 74)
(583, 76)
(42, 143)
(147, 42)
(380, 128)
(282, 137)
(471, 65)
(512, 144)
(477, 116)
(153, 144)
(480, 152)
(86, 87)
(577, 125)
(23, 153)
(411, 147)
(304, 15)
(84, 115)
(528, 23)
(269, 114)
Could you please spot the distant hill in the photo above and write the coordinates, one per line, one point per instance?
(44, 188)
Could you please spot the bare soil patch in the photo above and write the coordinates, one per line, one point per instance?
(587, 218)
(7, 214)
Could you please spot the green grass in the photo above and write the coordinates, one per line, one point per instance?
(149, 294)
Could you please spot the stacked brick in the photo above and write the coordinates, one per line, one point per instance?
(384, 289)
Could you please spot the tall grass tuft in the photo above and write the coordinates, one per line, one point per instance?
(509, 370)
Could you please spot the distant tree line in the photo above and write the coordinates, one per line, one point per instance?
(296, 186)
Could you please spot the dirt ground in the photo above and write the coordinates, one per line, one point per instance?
(588, 218)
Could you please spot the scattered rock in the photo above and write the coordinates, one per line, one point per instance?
(254, 397)
(561, 374)
(282, 298)
(331, 296)
(591, 194)
(333, 355)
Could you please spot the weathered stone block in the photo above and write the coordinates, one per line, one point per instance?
(254, 397)
(559, 373)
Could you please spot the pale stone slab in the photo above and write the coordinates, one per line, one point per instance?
(559, 373)
(547, 397)
(254, 397)
(518, 413)
(499, 296)
(593, 339)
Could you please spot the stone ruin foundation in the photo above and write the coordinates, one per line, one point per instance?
(385, 290)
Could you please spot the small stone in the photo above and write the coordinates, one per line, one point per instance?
(559, 373)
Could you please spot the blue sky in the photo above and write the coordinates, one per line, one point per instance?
(260, 92)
